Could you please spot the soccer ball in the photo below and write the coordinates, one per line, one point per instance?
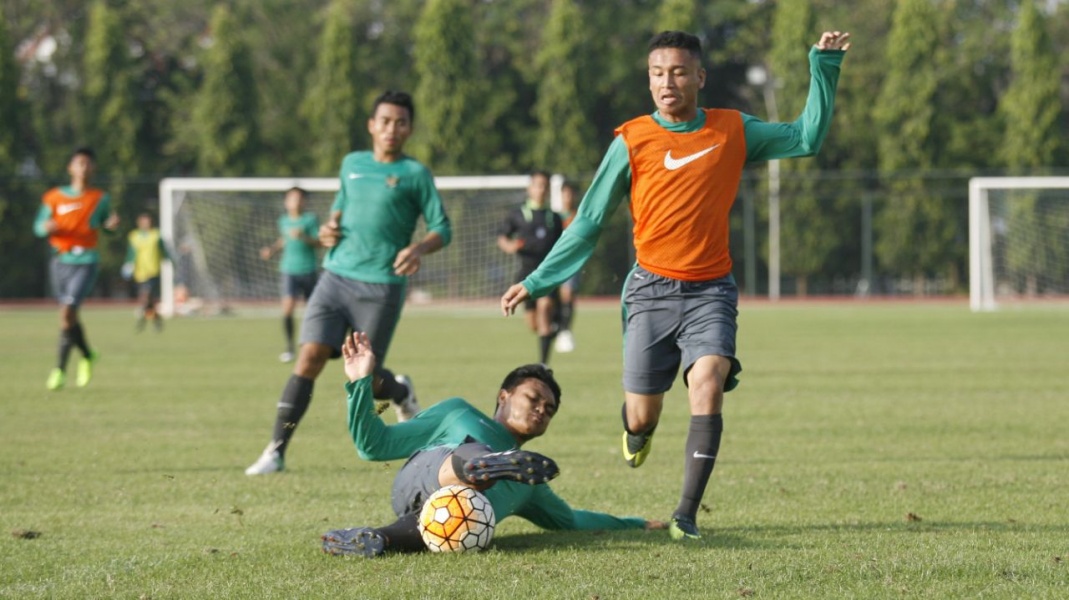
(456, 518)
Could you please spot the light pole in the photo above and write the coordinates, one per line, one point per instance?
(758, 75)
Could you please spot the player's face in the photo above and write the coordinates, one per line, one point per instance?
(144, 222)
(537, 188)
(294, 202)
(675, 78)
(389, 127)
(80, 167)
(527, 410)
(567, 199)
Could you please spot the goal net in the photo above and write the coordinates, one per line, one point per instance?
(214, 229)
(1018, 240)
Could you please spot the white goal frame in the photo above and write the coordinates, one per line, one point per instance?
(172, 188)
(981, 261)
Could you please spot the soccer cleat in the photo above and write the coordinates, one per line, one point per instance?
(683, 528)
(85, 369)
(358, 541)
(565, 342)
(285, 357)
(56, 379)
(409, 407)
(637, 446)
(269, 462)
(531, 468)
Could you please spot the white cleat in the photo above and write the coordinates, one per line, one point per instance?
(269, 462)
(409, 407)
(285, 357)
(565, 342)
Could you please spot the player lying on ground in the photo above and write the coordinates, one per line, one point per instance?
(453, 442)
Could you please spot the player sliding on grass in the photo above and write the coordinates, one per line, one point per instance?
(681, 168)
(453, 442)
(370, 255)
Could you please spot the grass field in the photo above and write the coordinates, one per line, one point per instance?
(872, 451)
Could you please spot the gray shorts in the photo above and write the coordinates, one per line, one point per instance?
(150, 288)
(418, 479)
(668, 322)
(298, 286)
(340, 305)
(72, 283)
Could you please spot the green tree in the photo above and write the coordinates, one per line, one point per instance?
(565, 141)
(1031, 142)
(915, 230)
(448, 97)
(111, 117)
(808, 222)
(224, 109)
(332, 105)
(10, 109)
(677, 15)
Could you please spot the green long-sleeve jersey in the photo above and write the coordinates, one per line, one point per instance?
(453, 422)
(612, 181)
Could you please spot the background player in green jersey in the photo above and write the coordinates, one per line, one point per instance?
(529, 231)
(453, 442)
(298, 239)
(145, 253)
(680, 168)
(569, 204)
(370, 254)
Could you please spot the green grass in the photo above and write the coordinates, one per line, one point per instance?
(872, 451)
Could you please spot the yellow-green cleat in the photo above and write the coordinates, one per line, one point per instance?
(56, 379)
(85, 369)
(637, 447)
(684, 529)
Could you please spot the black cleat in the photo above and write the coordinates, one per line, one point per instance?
(522, 466)
(358, 541)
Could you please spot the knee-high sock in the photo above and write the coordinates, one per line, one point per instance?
(566, 316)
(296, 397)
(64, 350)
(545, 342)
(703, 443)
(78, 339)
(287, 327)
(403, 534)
(389, 387)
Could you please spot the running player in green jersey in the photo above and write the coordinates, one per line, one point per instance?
(298, 239)
(680, 168)
(370, 254)
(453, 442)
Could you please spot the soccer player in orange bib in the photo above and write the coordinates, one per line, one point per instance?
(681, 168)
(71, 217)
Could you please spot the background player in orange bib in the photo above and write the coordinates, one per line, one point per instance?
(680, 167)
(71, 217)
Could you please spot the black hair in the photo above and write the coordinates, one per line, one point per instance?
(85, 151)
(568, 184)
(540, 173)
(298, 189)
(677, 39)
(533, 371)
(401, 99)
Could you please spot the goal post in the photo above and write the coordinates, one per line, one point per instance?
(1018, 240)
(214, 227)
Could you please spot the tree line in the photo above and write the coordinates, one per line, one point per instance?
(932, 92)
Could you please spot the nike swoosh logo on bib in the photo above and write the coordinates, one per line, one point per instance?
(63, 209)
(676, 163)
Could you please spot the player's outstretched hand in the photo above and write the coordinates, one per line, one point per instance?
(359, 359)
(834, 40)
(652, 525)
(512, 298)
